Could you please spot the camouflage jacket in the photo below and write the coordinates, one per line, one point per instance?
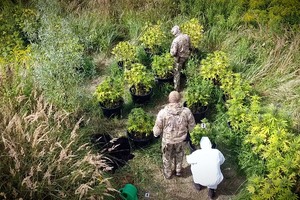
(181, 46)
(173, 122)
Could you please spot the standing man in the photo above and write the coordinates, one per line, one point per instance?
(205, 166)
(180, 50)
(173, 122)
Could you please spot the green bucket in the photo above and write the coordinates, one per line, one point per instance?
(128, 192)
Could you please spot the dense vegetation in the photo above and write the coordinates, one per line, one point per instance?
(50, 50)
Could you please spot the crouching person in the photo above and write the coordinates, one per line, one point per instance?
(173, 122)
(205, 166)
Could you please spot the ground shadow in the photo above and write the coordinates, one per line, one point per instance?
(186, 172)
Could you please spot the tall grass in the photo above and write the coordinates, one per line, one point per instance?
(271, 63)
(42, 153)
(95, 33)
(57, 58)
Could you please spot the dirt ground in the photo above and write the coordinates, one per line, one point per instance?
(182, 188)
(155, 186)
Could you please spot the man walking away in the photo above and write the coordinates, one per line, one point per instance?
(173, 122)
(180, 50)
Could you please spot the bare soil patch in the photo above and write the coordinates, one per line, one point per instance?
(155, 186)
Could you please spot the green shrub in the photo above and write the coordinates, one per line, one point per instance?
(11, 37)
(143, 56)
(95, 33)
(110, 92)
(162, 65)
(215, 66)
(201, 130)
(193, 29)
(56, 59)
(223, 134)
(198, 91)
(191, 67)
(125, 52)
(140, 78)
(153, 37)
(140, 122)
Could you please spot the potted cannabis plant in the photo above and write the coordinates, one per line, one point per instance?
(125, 53)
(162, 67)
(194, 29)
(109, 93)
(152, 38)
(198, 96)
(140, 81)
(139, 127)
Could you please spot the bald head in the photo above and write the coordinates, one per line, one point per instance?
(174, 97)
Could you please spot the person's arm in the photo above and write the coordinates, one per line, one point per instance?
(222, 158)
(191, 159)
(158, 127)
(191, 121)
(173, 50)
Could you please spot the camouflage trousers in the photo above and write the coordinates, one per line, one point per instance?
(172, 154)
(179, 65)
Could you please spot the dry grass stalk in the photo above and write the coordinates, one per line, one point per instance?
(37, 153)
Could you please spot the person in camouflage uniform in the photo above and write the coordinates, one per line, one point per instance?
(173, 122)
(180, 50)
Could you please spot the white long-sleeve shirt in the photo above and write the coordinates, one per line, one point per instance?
(205, 164)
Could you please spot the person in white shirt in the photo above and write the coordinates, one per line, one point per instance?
(205, 166)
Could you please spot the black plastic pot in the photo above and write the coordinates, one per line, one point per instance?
(112, 112)
(140, 99)
(200, 113)
(165, 80)
(141, 141)
(121, 65)
(148, 52)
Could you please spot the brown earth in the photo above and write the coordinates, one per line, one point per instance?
(182, 188)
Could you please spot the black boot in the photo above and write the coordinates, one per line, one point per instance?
(211, 193)
(198, 186)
